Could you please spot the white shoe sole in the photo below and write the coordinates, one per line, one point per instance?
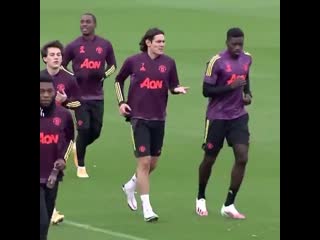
(80, 176)
(152, 219)
(131, 208)
(58, 221)
(232, 216)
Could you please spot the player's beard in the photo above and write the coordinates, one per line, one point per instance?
(47, 108)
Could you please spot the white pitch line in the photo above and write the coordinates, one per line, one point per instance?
(105, 231)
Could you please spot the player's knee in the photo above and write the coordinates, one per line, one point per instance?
(83, 136)
(144, 164)
(241, 158)
(96, 131)
(152, 167)
(211, 152)
(95, 135)
(153, 164)
(210, 158)
(241, 154)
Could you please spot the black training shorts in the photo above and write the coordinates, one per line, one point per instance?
(147, 137)
(235, 131)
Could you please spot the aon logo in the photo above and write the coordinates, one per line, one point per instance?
(151, 84)
(49, 138)
(234, 77)
(90, 64)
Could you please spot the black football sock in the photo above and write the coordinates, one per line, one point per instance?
(82, 143)
(230, 197)
(204, 174)
(201, 191)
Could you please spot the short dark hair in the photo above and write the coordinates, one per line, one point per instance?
(234, 32)
(45, 77)
(52, 44)
(149, 35)
(92, 15)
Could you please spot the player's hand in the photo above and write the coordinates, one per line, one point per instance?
(181, 89)
(238, 83)
(247, 99)
(52, 178)
(61, 96)
(124, 109)
(60, 164)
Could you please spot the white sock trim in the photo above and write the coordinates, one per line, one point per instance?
(145, 201)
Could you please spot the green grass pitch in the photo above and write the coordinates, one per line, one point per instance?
(95, 208)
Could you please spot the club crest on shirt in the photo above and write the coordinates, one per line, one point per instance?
(56, 121)
(61, 87)
(99, 50)
(162, 68)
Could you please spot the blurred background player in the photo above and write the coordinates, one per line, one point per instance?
(56, 139)
(68, 92)
(93, 60)
(226, 84)
(67, 89)
(152, 74)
